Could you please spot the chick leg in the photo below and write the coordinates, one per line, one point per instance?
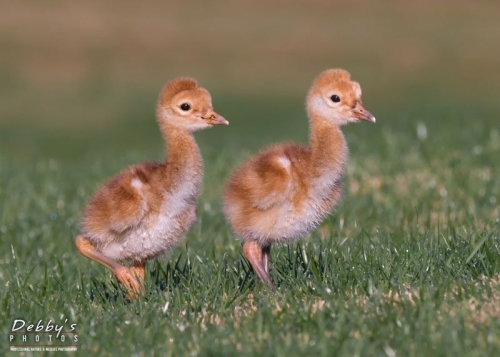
(266, 251)
(124, 275)
(254, 253)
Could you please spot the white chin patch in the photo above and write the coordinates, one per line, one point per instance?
(187, 124)
(193, 126)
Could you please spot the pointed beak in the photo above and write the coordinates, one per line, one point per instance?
(213, 118)
(359, 112)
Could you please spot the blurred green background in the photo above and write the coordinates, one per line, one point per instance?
(80, 79)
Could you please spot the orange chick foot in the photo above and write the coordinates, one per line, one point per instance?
(128, 279)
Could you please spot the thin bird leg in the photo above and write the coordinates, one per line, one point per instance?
(253, 252)
(124, 275)
(266, 251)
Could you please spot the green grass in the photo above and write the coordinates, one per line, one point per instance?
(407, 265)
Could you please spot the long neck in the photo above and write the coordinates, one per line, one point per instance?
(328, 147)
(183, 159)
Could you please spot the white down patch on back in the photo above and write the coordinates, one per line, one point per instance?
(285, 162)
(137, 184)
(158, 232)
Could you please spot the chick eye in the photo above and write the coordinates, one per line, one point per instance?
(335, 98)
(185, 107)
